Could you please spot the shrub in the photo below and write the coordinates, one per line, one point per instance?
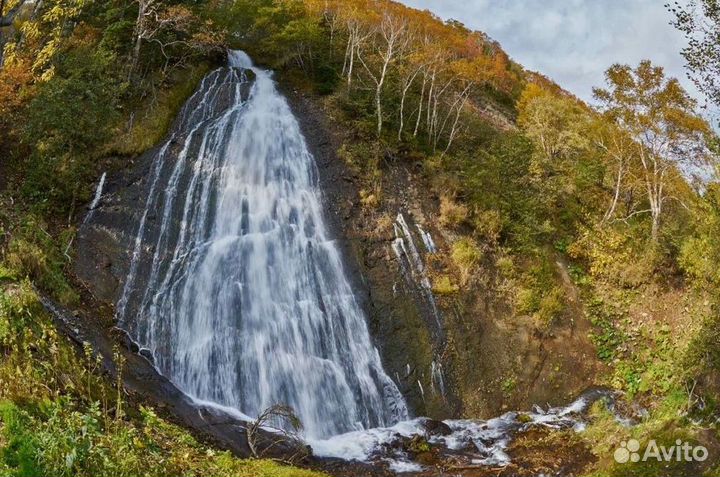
(550, 307)
(466, 255)
(369, 200)
(489, 225)
(443, 285)
(452, 214)
(505, 265)
(615, 256)
(527, 301)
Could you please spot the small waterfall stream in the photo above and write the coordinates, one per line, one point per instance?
(245, 302)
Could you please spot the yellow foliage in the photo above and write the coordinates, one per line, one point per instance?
(466, 255)
(452, 214)
(443, 285)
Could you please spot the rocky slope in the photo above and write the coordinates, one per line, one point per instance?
(490, 358)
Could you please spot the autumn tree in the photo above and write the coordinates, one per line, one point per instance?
(358, 29)
(43, 34)
(699, 20)
(175, 30)
(390, 42)
(557, 126)
(617, 148)
(660, 117)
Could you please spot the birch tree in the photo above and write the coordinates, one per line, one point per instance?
(147, 10)
(358, 33)
(660, 117)
(392, 40)
(699, 20)
(618, 148)
(409, 73)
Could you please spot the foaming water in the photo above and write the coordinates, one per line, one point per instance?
(466, 443)
(235, 286)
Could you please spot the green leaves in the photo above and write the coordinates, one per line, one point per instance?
(70, 117)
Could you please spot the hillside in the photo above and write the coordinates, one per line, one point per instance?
(510, 245)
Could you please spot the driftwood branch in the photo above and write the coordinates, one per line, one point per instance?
(285, 426)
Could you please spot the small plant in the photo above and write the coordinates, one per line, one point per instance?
(527, 301)
(369, 200)
(443, 285)
(418, 445)
(508, 385)
(551, 307)
(488, 225)
(466, 255)
(505, 265)
(452, 214)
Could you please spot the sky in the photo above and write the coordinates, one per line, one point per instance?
(573, 41)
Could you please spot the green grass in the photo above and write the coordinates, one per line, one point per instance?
(59, 416)
(152, 118)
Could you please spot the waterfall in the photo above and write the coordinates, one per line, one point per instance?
(97, 198)
(412, 264)
(98, 192)
(235, 286)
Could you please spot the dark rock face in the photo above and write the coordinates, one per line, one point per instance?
(437, 428)
(482, 359)
(402, 322)
(106, 239)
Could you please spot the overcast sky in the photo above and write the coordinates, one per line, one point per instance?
(573, 41)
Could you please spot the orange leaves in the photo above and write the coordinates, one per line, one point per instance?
(469, 54)
(14, 77)
(15, 89)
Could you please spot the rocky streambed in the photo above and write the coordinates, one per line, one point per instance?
(498, 446)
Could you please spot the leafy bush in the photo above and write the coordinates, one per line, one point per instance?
(443, 285)
(615, 255)
(466, 255)
(452, 214)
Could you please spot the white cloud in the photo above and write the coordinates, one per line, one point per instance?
(573, 41)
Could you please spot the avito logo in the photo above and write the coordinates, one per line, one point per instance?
(629, 451)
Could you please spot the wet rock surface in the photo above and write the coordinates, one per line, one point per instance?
(403, 323)
(106, 238)
(144, 384)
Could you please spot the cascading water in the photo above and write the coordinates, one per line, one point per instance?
(245, 302)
